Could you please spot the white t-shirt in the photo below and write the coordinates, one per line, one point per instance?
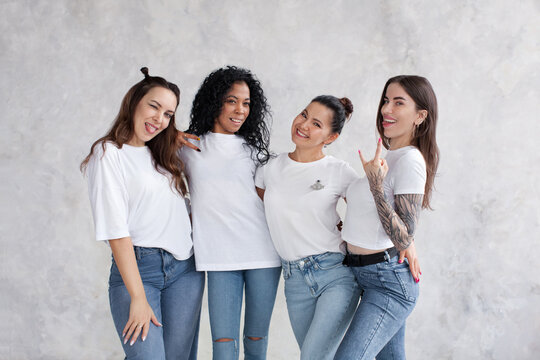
(300, 202)
(406, 175)
(229, 226)
(130, 198)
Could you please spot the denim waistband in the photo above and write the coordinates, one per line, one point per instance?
(144, 251)
(307, 262)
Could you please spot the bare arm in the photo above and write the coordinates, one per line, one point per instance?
(140, 312)
(260, 192)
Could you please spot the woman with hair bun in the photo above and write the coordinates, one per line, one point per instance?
(301, 190)
(137, 196)
(231, 238)
(382, 216)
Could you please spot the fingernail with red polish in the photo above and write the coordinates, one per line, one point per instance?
(379, 140)
(359, 151)
(400, 261)
(417, 280)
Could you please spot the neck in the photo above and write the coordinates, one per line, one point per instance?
(306, 155)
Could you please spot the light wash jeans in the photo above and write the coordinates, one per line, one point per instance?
(174, 291)
(378, 327)
(225, 292)
(322, 295)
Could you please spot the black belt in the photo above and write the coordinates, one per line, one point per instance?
(364, 260)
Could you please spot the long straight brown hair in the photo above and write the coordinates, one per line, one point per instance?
(163, 147)
(420, 90)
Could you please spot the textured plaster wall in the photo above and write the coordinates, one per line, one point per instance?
(65, 66)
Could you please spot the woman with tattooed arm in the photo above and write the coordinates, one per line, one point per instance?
(381, 219)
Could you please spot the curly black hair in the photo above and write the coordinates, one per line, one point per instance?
(209, 101)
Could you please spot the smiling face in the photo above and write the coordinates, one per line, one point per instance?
(400, 116)
(152, 114)
(313, 126)
(234, 111)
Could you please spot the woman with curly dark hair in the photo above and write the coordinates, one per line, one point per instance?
(136, 187)
(231, 239)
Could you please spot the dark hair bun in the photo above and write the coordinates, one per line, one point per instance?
(347, 105)
(144, 70)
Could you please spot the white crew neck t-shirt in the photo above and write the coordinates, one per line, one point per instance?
(229, 226)
(300, 202)
(406, 175)
(130, 198)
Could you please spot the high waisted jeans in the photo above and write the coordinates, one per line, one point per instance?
(174, 291)
(321, 295)
(225, 292)
(378, 327)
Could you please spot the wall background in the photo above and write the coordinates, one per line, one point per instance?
(65, 66)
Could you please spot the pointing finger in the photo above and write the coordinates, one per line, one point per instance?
(362, 157)
(378, 151)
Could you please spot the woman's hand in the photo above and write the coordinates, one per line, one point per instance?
(181, 138)
(414, 265)
(375, 169)
(140, 315)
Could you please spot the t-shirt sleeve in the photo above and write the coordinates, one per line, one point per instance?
(410, 174)
(259, 177)
(348, 175)
(108, 194)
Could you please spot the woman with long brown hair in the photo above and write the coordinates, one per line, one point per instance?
(137, 195)
(382, 216)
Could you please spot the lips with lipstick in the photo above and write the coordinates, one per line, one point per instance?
(388, 121)
(237, 121)
(301, 134)
(151, 129)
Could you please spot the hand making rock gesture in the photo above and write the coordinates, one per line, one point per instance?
(375, 169)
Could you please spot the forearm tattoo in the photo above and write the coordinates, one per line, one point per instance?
(399, 224)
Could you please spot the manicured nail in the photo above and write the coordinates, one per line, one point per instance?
(400, 261)
(379, 140)
(143, 338)
(199, 138)
(199, 150)
(359, 151)
(417, 279)
(125, 341)
(123, 334)
(132, 342)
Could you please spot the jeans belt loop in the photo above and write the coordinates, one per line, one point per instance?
(386, 256)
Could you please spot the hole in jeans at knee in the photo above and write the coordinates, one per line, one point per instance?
(223, 340)
(254, 338)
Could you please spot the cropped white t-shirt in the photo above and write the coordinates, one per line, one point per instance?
(130, 198)
(229, 226)
(300, 202)
(406, 175)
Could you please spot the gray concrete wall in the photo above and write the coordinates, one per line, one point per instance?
(65, 66)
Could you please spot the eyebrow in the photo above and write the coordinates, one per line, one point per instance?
(236, 97)
(397, 98)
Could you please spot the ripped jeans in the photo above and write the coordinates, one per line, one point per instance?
(225, 292)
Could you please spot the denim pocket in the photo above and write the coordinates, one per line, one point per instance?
(330, 261)
(409, 287)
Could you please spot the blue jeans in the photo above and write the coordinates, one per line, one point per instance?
(174, 291)
(378, 327)
(321, 295)
(225, 292)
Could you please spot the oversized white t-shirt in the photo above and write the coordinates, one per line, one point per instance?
(229, 226)
(300, 202)
(406, 175)
(130, 198)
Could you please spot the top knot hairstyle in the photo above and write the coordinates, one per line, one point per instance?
(163, 146)
(209, 101)
(342, 108)
(424, 136)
